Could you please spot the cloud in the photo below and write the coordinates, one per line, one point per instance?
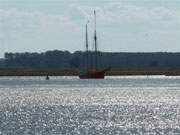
(132, 26)
(21, 25)
(135, 28)
(36, 31)
(13, 19)
(119, 12)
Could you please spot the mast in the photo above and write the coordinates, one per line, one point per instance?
(87, 51)
(95, 41)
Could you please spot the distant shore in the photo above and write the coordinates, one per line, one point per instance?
(73, 72)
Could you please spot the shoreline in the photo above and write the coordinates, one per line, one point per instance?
(74, 72)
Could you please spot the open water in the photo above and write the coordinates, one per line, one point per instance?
(131, 105)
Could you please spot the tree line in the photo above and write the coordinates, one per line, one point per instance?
(64, 59)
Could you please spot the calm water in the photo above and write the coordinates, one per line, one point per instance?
(139, 105)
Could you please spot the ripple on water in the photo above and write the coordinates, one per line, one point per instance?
(113, 106)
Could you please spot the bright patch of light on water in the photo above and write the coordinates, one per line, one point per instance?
(126, 105)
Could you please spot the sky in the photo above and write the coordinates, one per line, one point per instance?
(122, 25)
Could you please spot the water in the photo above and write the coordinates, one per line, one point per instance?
(139, 105)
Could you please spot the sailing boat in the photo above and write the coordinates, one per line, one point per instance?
(95, 72)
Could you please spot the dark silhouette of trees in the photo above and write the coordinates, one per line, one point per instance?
(63, 59)
(75, 62)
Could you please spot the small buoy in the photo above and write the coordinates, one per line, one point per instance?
(47, 77)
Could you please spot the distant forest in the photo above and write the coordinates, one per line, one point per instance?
(64, 59)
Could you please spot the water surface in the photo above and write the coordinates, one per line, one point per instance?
(147, 105)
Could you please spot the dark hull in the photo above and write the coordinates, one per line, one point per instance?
(94, 74)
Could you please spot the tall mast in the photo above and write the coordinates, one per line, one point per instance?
(87, 51)
(95, 41)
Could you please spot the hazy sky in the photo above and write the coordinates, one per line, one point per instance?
(123, 25)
